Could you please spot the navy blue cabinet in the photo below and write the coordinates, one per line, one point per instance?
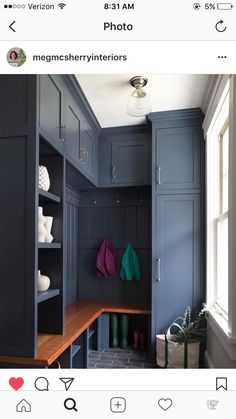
(88, 151)
(18, 307)
(124, 156)
(72, 135)
(130, 161)
(64, 122)
(51, 109)
(177, 277)
(177, 216)
(177, 155)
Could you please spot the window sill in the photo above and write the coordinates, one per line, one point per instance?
(219, 325)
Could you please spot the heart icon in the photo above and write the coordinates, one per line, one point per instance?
(16, 383)
(165, 404)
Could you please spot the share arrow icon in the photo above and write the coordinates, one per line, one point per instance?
(67, 382)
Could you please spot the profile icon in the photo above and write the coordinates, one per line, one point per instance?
(16, 57)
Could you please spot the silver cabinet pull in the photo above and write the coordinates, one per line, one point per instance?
(86, 155)
(113, 172)
(82, 155)
(63, 127)
(158, 269)
(158, 175)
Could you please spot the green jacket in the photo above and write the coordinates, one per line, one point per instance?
(130, 266)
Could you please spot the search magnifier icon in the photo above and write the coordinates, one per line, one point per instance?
(70, 404)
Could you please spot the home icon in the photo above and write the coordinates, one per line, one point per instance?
(23, 406)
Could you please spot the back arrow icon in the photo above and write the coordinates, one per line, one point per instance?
(219, 27)
(10, 26)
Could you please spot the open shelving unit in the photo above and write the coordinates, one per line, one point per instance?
(51, 255)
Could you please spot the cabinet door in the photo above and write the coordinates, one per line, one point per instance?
(177, 155)
(88, 151)
(72, 129)
(177, 277)
(130, 162)
(50, 109)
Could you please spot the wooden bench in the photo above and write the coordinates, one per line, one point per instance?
(78, 317)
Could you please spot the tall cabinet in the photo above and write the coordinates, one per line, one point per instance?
(177, 216)
(44, 120)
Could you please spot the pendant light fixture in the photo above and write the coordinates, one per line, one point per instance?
(139, 100)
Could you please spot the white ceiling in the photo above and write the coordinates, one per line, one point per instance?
(108, 94)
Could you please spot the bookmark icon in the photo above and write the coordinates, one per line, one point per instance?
(67, 382)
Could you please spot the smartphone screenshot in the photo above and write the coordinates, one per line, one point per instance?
(117, 209)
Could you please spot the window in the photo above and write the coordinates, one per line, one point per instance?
(217, 206)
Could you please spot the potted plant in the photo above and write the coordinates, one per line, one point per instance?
(181, 350)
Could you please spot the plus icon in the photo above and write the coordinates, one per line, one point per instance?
(118, 405)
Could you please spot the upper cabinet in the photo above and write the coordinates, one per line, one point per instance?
(177, 149)
(110, 157)
(130, 161)
(72, 129)
(88, 150)
(51, 115)
(67, 122)
(177, 158)
(125, 156)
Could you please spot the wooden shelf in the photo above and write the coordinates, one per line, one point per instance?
(75, 349)
(49, 245)
(48, 196)
(78, 317)
(46, 295)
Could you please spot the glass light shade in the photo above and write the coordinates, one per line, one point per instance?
(138, 103)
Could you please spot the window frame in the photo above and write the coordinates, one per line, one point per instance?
(217, 128)
(223, 328)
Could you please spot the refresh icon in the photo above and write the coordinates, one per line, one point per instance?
(220, 26)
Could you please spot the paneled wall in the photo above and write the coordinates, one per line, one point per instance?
(72, 251)
(121, 216)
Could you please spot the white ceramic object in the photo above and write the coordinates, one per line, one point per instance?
(43, 282)
(44, 179)
(48, 226)
(41, 227)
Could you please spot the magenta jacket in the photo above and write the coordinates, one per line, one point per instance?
(106, 260)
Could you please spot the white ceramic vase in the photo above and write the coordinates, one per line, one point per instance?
(44, 179)
(43, 282)
(41, 227)
(48, 227)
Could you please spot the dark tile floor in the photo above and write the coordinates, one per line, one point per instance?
(120, 358)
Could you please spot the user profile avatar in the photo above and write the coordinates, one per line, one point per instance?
(16, 57)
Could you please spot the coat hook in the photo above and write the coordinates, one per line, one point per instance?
(117, 201)
(94, 202)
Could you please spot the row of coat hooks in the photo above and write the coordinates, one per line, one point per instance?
(119, 201)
